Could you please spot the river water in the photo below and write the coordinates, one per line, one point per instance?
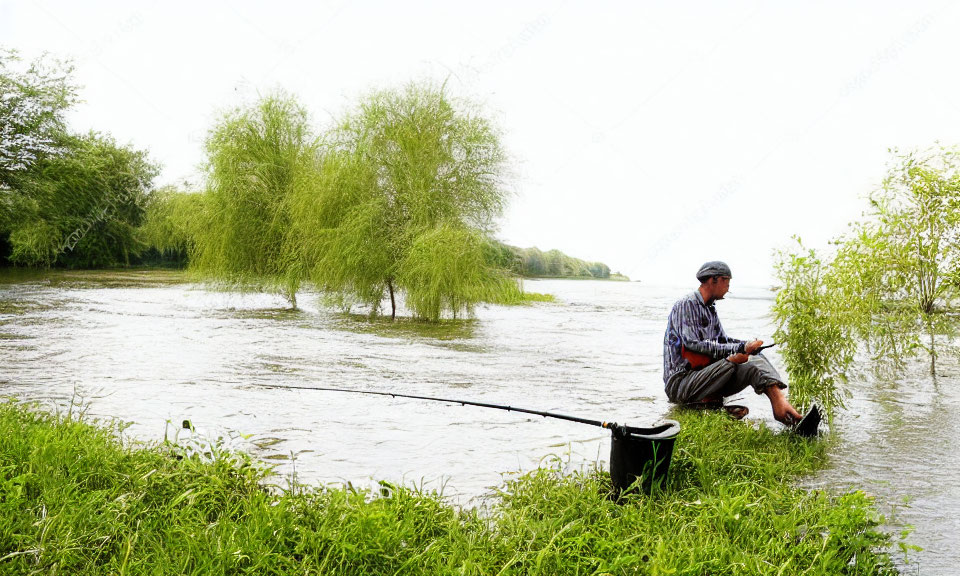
(152, 349)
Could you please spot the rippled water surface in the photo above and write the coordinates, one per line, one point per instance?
(152, 349)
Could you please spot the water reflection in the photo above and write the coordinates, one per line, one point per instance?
(900, 442)
(153, 349)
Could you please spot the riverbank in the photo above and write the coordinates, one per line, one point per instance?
(615, 277)
(74, 498)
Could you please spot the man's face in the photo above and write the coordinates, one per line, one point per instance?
(721, 288)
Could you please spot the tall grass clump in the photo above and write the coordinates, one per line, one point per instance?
(76, 500)
(258, 158)
(410, 186)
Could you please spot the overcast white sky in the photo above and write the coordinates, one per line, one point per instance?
(648, 136)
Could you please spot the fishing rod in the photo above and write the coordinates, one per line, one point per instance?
(617, 429)
(638, 456)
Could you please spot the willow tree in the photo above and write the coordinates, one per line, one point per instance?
(258, 157)
(918, 215)
(410, 186)
(171, 223)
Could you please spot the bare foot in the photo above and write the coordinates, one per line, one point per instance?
(782, 410)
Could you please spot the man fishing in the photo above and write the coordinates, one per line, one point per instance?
(702, 365)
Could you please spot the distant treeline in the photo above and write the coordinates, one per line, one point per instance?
(535, 263)
(158, 228)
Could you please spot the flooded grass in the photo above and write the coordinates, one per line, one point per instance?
(529, 297)
(11, 308)
(118, 278)
(74, 499)
(408, 327)
(279, 314)
(21, 308)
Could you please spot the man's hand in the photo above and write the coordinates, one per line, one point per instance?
(738, 358)
(748, 349)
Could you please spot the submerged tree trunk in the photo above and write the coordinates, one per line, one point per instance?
(393, 301)
(291, 295)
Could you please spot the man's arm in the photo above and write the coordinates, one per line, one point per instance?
(685, 319)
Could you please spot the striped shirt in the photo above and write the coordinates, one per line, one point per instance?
(695, 325)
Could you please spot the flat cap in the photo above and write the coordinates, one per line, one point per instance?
(713, 268)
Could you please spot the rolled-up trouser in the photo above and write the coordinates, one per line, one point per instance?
(722, 378)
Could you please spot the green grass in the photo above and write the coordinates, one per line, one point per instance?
(76, 500)
(537, 297)
(523, 298)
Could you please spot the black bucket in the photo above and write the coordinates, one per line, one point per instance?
(641, 453)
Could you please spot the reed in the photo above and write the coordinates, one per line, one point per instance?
(74, 499)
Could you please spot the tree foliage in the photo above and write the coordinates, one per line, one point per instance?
(556, 264)
(897, 268)
(33, 99)
(887, 280)
(258, 157)
(397, 201)
(408, 191)
(172, 221)
(917, 214)
(80, 208)
(67, 200)
(874, 295)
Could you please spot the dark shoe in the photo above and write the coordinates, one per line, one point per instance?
(736, 411)
(704, 405)
(809, 425)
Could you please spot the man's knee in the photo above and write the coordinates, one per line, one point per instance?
(758, 373)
